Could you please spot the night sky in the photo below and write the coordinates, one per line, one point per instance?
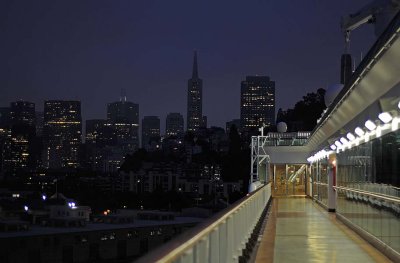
(90, 50)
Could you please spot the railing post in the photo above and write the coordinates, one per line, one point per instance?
(201, 251)
(222, 242)
(187, 257)
(214, 245)
(230, 234)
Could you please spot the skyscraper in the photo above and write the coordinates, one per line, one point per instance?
(22, 112)
(123, 115)
(174, 124)
(19, 152)
(100, 132)
(62, 133)
(150, 131)
(195, 99)
(257, 102)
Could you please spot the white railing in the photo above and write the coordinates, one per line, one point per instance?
(376, 199)
(223, 240)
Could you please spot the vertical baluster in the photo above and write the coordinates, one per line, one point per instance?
(214, 245)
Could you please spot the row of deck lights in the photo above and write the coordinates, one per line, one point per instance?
(389, 120)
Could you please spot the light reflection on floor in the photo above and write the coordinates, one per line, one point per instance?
(304, 232)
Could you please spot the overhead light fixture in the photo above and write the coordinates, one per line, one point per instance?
(385, 117)
(370, 125)
(333, 147)
(398, 105)
(350, 136)
(344, 140)
(338, 144)
(360, 132)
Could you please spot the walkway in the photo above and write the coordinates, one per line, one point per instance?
(299, 230)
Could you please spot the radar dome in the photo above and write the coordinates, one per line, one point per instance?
(331, 93)
(281, 127)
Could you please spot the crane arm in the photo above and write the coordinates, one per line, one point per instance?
(378, 12)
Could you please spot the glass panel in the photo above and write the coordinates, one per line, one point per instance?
(296, 179)
(280, 182)
(373, 167)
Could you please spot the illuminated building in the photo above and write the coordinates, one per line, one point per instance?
(195, 99)
(100, 132)
(174, 124)
(100, 139)
(22, 112)
(62, 133)
(4, 133)
(257, 103)
(150, 131)
(18, 152)
(124, 118)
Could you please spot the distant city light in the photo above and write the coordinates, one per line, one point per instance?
(44, 197)
(26, 208)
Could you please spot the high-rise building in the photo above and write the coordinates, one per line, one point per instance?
(195, 99)
(100, 140)
(174, 124)
(150, 131)
(22, 112)
(100, 132)
(124, 117)
(5, 135)
(19, 152)
(39, 123)
(257, 103)
(62, 133)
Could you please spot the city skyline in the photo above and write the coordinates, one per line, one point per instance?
(103, 56)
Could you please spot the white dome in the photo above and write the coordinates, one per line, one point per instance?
(331, 93)
(281, 127)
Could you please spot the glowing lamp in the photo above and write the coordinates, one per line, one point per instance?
(344, 140)
(359, 131)
(350, 136)
(385, 117)
(370, 125)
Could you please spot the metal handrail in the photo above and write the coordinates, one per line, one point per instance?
(371, 194)
(252, 201)
(319, 183)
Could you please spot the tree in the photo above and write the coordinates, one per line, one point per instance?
(306, 112)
